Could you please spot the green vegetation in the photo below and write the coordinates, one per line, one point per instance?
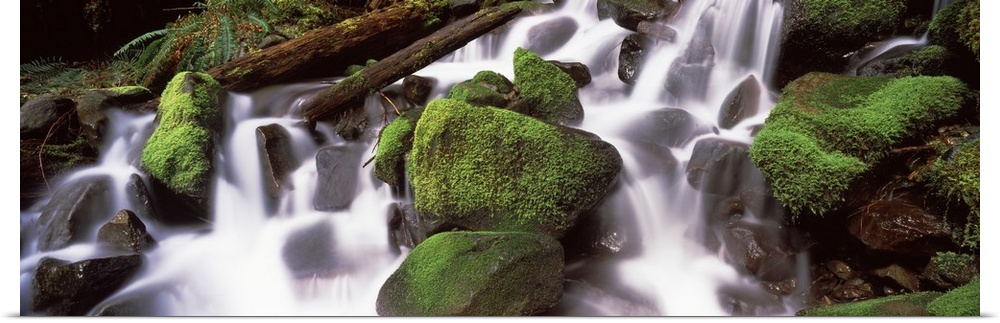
(487, 88)
(180, 151)
(962, 301)
(129, 90)
(913, 304)
(545, 88)
(395, 142)
(827, 130)
(957, 178)
(946, 268)
(55, 76)
(493, 169)
(476, 273)
(957, 26)
(854, 16)
(295, 17)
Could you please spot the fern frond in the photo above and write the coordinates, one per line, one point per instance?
(141, 39)
(43, 65)
(260, 22)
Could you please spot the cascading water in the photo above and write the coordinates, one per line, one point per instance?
(338, 260)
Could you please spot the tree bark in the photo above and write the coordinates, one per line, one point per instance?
(346, 93)
(329, 50)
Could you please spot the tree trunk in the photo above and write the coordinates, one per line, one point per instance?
(329, 50)
(343, 95)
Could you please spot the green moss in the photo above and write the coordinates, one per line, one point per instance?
(545, 87)
(897, 305)
(827, 130)
(475, 273)
(957, 178)
(180, 151)
(493, 80)
(962, 301)
(499, 170)
(129, 90)
(957, 26)
(946, 268)
(850, 15)
(474, 93)
(394, 144)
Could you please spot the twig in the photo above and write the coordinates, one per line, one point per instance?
(390, 103)
(41, 148)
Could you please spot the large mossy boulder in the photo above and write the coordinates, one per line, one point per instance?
(477, 274)
(957, 27)
(546, 92)
(179, 155)
(817, 34)
(956, 176)
(483, 168)
(394, 144)
(827, 130)
(913, 304)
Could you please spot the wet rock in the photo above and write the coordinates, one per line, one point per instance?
(94, 104)
(585, 300)
(549, 36)
(405, 229)
(144, 303)
(546, 92)
(760, 201)
(601, 232)
(741, 103)
(902, 276)
(654, 160)
(761, 249)
(76, 208)
(353, 123)
(628, 13)
(656, 30)
(669, 127)
(853, 290)
(63, 288)
(897, 226)
(394, 144)
(631, 57)
(125, 231)
(841, 270)
(337, 178)
(139, 198)
(722, 167)
(417, 89)
(949, 270)
(782, 288)
(578, 71)
(730, 209)
(275, 146)
(688, 74)
(478, 274)
(311, 251)
(39, 115)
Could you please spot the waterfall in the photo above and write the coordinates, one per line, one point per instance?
(241, 265)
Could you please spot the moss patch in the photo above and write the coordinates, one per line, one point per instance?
(476, 273)
(394, 144)
(130, 90)
(493, 169)
(181, 149)
(957, 26)
(962, 301)
(957, 178)
(913, 304)
(828, 129)
(547, 91)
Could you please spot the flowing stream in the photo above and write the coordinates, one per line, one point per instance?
(238, 263)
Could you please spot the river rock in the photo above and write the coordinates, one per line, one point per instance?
(656, 30)
(405, 228)
(722, 167)
(93, 106)
(546, 92)
(761, 249)
(312, 251)
(139, 199)
(688, 74)
(740, 103)
(337, 177)
(902, 276)
(578, 71)
(417, 89)
(76, 208)
(489, 169)
(631, 57)
(62, 288)
(353, 123)
(897, 226)
(39, 114)
(142, 303)
(477, 274)
(668, 127)
(628, 13)
(841, 269)
(549, 36)
(602, 232)
(126, 231)
(394, 144)
(853, 290)
(275, 146)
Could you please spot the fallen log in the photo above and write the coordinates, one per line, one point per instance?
(329, 50)
(346, 93)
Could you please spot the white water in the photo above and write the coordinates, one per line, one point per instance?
(237, 267)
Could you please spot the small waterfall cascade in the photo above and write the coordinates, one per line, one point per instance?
(263, 256)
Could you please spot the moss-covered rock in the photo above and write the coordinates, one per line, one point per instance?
(476, 273)
(931, 60)
(956, 176)
(180, 152)
(949, 269)
(497, 170)
(914, 304)
(546, 92)
(394, 144)
(827, 130)
(962, 301)
(487, 88)
(628, 13)
(957, 27)
(817, 34)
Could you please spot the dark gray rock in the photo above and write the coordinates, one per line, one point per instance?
(337, 178)
(39, 115)
(631, 57)
(550, 35)
(628, 13)
(668, 127)
(278, 159)
(740, 103)
(139, 198)
(761, 249)
(312, 252)
(417, 89)
(126, 232)
(75, 210)
(405, 228)
(898, 226)
(722, 167)
(578, 71)
(62, 288)
(656, 31)
(688, 74)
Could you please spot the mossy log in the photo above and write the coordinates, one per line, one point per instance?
(329, 50)
(418, 55)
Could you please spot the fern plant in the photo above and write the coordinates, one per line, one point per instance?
(222, 31)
